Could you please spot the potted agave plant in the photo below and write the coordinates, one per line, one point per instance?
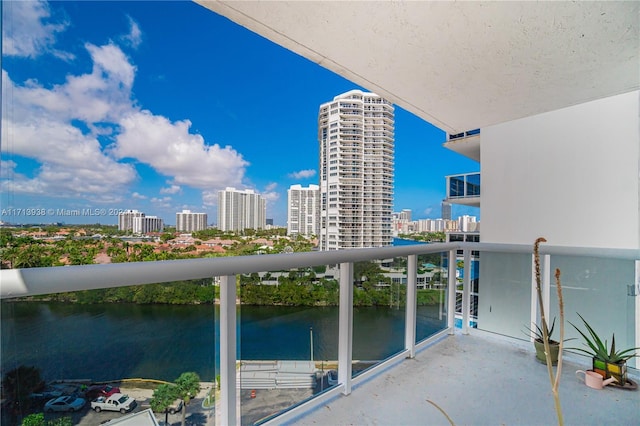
(608, 362)
(538, 343)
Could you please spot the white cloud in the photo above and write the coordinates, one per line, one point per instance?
(112, 60)
(25, 31)
(270, 194)
(7, 168)
(134, 37)
(72, 164)
(210, 198)
(65, 128)
(38, 125)
(172, 189)
(271, 186)
(170, 149)
(161, 203)
(138, 196)
(102, 96)
(302, 174)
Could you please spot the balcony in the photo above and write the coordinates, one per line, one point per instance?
(465, 143)
(465, 375)
(463, 370)
(464, 189)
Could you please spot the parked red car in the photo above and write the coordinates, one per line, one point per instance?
(101, 390)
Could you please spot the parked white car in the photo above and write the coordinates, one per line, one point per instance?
(116, 402)
(64, 403)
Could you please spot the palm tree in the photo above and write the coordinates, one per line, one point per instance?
(162, 398)
(188, 385)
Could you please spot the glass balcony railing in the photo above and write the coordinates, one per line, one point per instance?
(463, 187)
(281, 334)
(463, 134)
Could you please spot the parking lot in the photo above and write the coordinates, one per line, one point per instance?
(254, 407)
(195, 414)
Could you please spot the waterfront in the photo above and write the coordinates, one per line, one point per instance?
(112, 341)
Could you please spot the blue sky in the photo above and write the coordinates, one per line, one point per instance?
(156, 106)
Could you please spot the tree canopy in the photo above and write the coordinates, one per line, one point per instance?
(163, 397)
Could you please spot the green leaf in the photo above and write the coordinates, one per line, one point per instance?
(600, 350)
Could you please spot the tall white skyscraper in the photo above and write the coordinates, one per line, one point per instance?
(241, 209)
(356, 136)
(125, 219)
(303, 210)
(187, 221)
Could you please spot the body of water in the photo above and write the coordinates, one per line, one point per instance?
(402, 242)
(113, 341)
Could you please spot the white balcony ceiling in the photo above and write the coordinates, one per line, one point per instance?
(460, 65)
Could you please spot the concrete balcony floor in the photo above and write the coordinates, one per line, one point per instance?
(477, 379)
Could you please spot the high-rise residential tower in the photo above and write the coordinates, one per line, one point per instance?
(241, 209)
(145, 224)
(188, 221)
(125, 219)
(303, 210)
(446, 210)
(356, 137)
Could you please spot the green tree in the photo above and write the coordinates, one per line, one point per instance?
(21, 382)
(188, 385)
(36, 419)
(33, 256)
(166, 237)
(163, 397)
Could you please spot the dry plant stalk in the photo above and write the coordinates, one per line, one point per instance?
(442, 411)
(554, 379)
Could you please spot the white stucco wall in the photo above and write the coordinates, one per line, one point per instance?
(570, 175)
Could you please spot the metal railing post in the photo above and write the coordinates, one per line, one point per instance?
(410, 313)
(345, 327)
(451, 286)
(228, 391)
(466, 291)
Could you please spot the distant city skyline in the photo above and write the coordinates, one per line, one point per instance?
(99, 118)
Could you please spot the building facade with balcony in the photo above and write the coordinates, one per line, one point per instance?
(356, 138)
(145, 224)
(241, 209)
(125, 219)
(303, 210)
(188, 221)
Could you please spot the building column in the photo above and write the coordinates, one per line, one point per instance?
(345, 327)
(228, 391)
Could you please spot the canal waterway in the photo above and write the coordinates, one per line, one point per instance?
(111, 341)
